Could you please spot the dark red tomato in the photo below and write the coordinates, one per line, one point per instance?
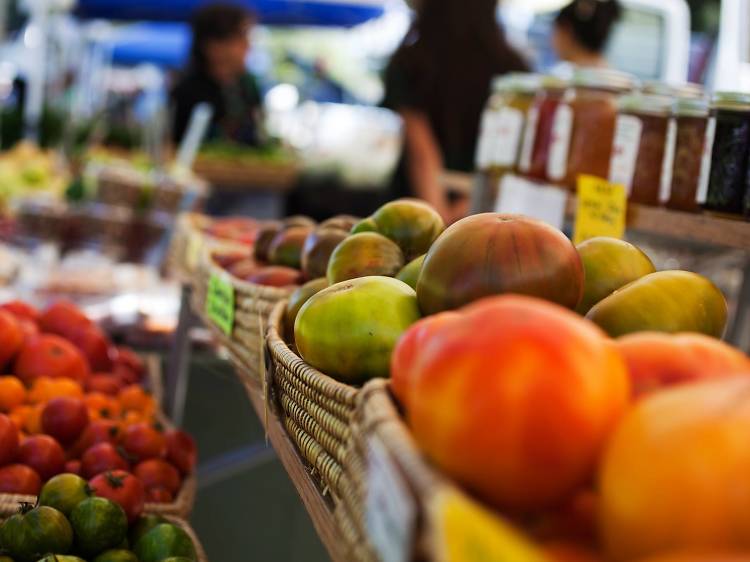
(11, 337)
(101, 458)
(20, 309)
(43, 454)
(19, 479)
(126, 357)
(143, 441)
(181, 451)
(98, 431)
(29, 329)
(63, 318)
(123, 488)
(73, 467)
(105, 383)
(94, 345)
(8, 440)
(158, 472)
(125, 375)
(65, 418)
(159, 494)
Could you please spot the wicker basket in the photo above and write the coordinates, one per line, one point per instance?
(231, 174)
(185, 526)
(315, 409)
(253, 304)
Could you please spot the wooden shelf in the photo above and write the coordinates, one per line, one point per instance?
(318, 507)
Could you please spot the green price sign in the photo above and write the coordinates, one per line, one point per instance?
(220, 303)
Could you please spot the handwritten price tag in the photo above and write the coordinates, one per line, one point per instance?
(466, 532)
(220, 303)
(602, 207)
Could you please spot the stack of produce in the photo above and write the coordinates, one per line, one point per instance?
(74, 404)
(72, 524)
(578, 391)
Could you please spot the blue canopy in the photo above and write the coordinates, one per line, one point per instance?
(335, 13)
(163, 44)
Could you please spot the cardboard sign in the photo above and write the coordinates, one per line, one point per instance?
(467, 532)
(601, 211)
(519, 196)
(391, 511)
(220, 303)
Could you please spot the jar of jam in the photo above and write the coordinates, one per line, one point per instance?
(502, 131)
(538, 133)
(639, 146)
(689, 154)
(723, 189)
(584, 125)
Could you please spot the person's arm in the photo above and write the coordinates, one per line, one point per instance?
(425, 163)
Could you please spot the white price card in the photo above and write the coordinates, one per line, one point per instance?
(391, 510)
(519, 196)
(625, 149)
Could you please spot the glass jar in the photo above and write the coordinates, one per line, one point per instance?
(502, 131)
(539, 124)
(690, 153)
(639, 146)
(584, 125)
(723, 189)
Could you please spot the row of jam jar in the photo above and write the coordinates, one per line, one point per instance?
(666, 144)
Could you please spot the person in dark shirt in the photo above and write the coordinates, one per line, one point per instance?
(439, 81)
(217, 75)
(582, 30)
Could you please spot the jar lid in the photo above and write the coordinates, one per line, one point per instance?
(551, 82)
(643, 103)
(603, 78)
(732, 100)
(691, 107)
(686, 90)
(523, 82)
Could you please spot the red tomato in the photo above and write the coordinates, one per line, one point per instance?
(126, 357)
(43, 454)
(101, 458)
(63, 318)
(29, 329)
(98, 431)
(157, 472)
(123, 488)
(65, 419)
(20, 309)
(125, 375)
(143, 441)
(50, 356)
(159, 494)
(105, 383)
(181, 451)
(19, 479)
(8, 440)
(73, 467)
(11, 337)
(94, 345)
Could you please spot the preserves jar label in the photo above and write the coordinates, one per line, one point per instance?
(519, 196)
(708, 149)
(665, 186)
(507, 137)
(625, 151)
(484, 146)
(466, 532)
(390, 510)
(220, 303)
(601, 209)
(529, 138)
(562, 129)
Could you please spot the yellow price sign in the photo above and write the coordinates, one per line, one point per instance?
(467, 532)
(601, 209)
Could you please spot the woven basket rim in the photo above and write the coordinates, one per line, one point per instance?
(252, 290)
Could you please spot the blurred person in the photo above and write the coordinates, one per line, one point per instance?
(582, 30)
(217, 75)
(439, 80)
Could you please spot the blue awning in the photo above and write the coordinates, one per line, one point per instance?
(335, 13)
(163, 44)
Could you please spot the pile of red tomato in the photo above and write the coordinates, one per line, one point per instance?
(72, 403)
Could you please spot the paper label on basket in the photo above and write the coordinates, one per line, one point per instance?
(220, 303)
(466, 532)
(665, 188)
(706, 162)
(519, 196)
(625, 149)
(484, 146)
(601, 209)
(529, 138)
(562, 130)
(390, 510)
(507, 137)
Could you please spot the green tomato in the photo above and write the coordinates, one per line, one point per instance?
(64, 492)
(165, 541)
(99, 525)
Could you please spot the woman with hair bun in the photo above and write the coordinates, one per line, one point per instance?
(582, 30)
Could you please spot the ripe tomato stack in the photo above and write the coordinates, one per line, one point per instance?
(72, 403)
